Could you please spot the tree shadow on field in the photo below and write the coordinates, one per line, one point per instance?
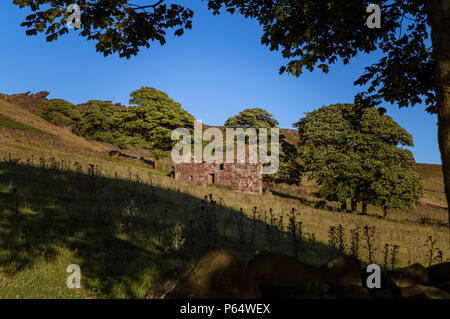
(318, 204)
(124, 234)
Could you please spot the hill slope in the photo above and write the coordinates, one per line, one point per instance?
(64, 200)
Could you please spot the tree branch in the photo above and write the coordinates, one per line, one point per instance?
(148, 6)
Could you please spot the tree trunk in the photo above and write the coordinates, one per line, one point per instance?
(440, 35)
(344, 207)
(385, 211)
(364, 208)
(354, 203)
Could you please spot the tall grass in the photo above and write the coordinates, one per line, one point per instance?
(127, 226)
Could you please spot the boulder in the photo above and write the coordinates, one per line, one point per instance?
(415, 274)
(352, 292)
(216, 275)
(439, 273)
(281, 276)
(423, 292)
(343, 272)
(41, 95)
(443, 286)
(388, 290)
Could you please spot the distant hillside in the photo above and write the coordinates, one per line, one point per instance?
(124, 222)
(23, 130)
(35, 102)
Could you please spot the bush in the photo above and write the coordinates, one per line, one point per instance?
(62, 113)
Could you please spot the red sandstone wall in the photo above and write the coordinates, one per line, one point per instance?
(244, 178)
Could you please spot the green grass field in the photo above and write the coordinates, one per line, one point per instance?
(7, 122)
(128, 225)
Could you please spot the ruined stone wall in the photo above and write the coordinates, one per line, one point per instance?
(244, 178)
(241, 177)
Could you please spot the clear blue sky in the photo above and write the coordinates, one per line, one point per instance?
(214, 70)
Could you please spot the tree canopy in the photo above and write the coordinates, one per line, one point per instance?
(61, 113)
(310, 34)
(150, 119)
(252, 117)
(117, 26)
(289, 170)
(99, 121)
(355, 154)
(315, 34)
(147, 123)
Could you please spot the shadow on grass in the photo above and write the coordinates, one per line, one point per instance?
(318, 204)
(124, 234)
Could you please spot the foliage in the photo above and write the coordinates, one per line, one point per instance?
(149, 122)
(316, 33)
(99, 122)
(397, 187)
(310, 33)
(289, 168)
(62, 113)
(158, 154)
(252, 117)
(410, 69)
(354, 153)
(116, 26)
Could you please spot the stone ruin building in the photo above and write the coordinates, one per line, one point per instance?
(241, 177)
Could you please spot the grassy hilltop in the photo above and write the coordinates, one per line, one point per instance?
(65, 200)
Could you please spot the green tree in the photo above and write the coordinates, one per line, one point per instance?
(62, 113)
(309, 33)
(116, 26)
(150, 120)
(396, 187)
(252, 117)
(316, 33)
(99, 122)
(289, 169)
(353, 151)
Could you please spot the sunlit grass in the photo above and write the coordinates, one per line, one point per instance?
(121, 238)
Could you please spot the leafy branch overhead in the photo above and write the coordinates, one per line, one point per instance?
(117, 26)
(310, 34)
(316, 33)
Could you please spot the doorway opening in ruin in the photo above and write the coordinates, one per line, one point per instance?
(211, 179)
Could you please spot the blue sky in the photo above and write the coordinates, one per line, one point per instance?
(214, 70)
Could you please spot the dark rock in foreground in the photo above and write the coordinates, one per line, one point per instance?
(281, 276)
(439, 273)
(343, 272)
(415, 274)
(218, 275)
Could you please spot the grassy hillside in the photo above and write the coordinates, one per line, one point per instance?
(64, 200)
